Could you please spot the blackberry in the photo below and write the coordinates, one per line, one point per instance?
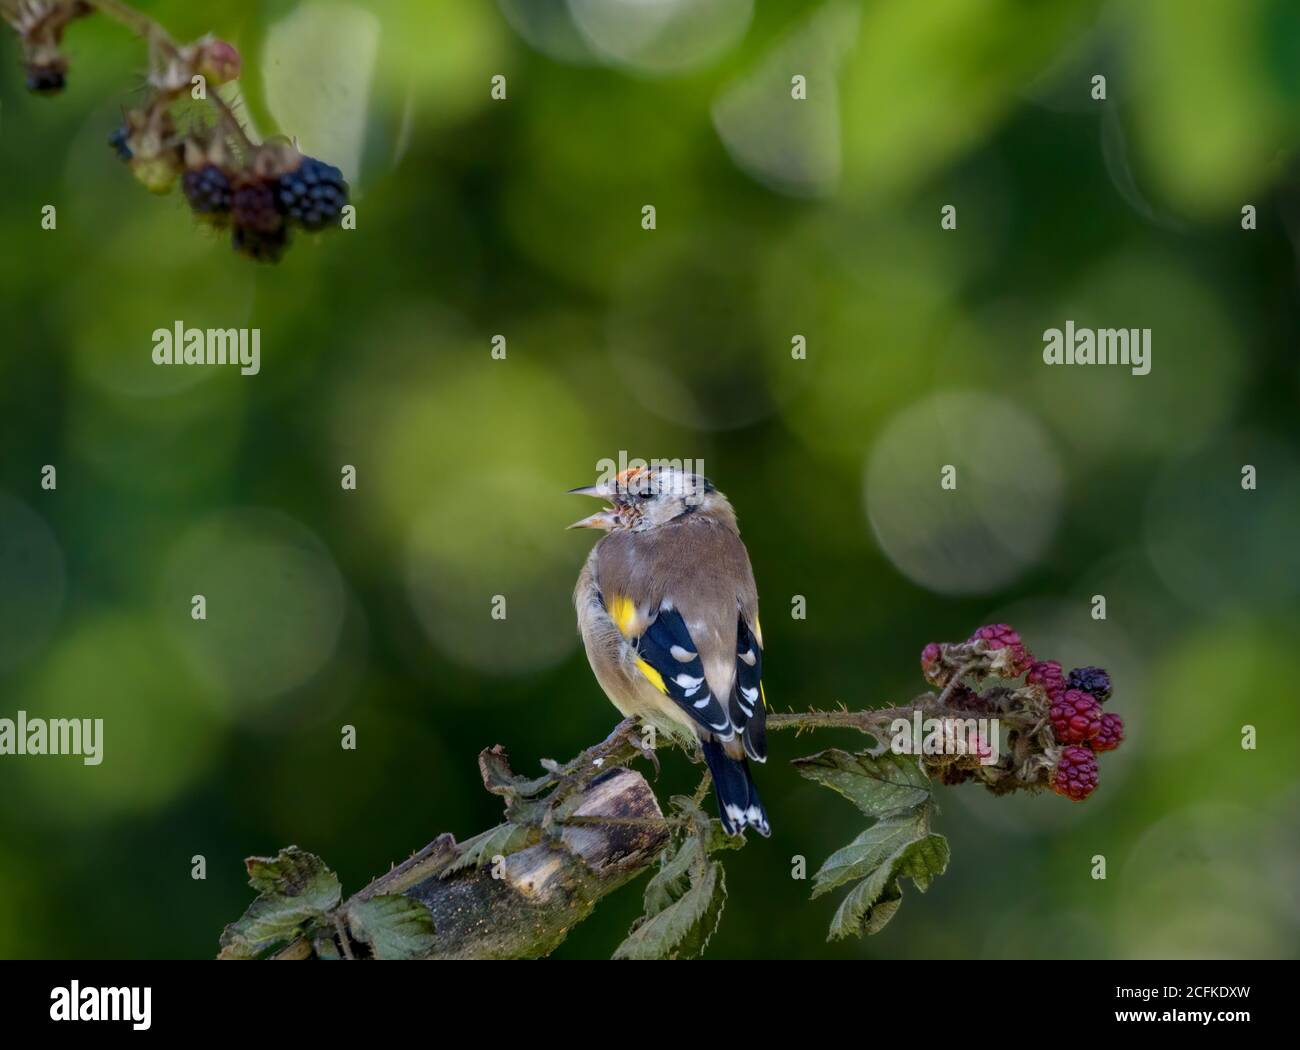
(930, 657)
(208, 190)
(252, 206)
(1091, 680)
(46, 80)
(1047, 674)
(1075, 775)
(998, 635)
(1076, 717)
(264, 246)
(1112, 733)
(313, 194)
(118, 140)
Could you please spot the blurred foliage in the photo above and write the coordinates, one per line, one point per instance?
(475, 218)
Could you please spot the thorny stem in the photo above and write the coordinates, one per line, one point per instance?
(158, 37)
(953, 683)
(137, 21)
(231, 121)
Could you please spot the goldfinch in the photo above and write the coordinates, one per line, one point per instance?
(668, 613)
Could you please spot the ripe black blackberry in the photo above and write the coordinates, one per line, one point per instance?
(46, 80)
(208, 190)
(262, 245)
(313, 194)
(1092, 680)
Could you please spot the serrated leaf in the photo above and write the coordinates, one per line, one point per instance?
(682, 930)
(672, 880)
(294, 888)
(856, 907)
(504, 839)
(878, 786)
(868, 852)
(870, 905)
(291, 873)
(883, 910)
(924, 861)
(394, 926)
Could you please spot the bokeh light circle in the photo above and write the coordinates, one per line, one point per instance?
(1000, 517)
(275, 603)
(661, 36)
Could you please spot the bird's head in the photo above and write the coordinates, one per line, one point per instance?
(642, 498)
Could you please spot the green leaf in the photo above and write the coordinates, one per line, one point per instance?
(394, 926)
(877, 786)
(868, 852)
(294, 888)
(672, 880)
(504, 839)
(873, 902)
(924, 861)
(682, 929)
(856, 917)
(880, 893)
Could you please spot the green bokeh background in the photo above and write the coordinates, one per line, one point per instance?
(774, 218)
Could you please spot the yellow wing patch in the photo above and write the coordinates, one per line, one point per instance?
(654, 677)
(762, 695)
(758, 631)
(623, 612)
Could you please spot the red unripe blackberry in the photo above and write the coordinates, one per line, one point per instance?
(1076, 717)
(1075, 775)
(930, 661)
(1091, 680)
(1112, 732)
(1047, 674)
(998, 635)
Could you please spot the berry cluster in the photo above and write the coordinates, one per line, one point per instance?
(261, 191)
(260, 197)
(1056, 725)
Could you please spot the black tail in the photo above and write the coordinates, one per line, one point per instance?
(738, 801)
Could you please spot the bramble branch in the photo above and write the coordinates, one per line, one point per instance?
(584, 828)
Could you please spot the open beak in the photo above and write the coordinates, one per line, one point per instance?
(602, 519)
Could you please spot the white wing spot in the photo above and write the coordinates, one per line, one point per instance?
(681, 655)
